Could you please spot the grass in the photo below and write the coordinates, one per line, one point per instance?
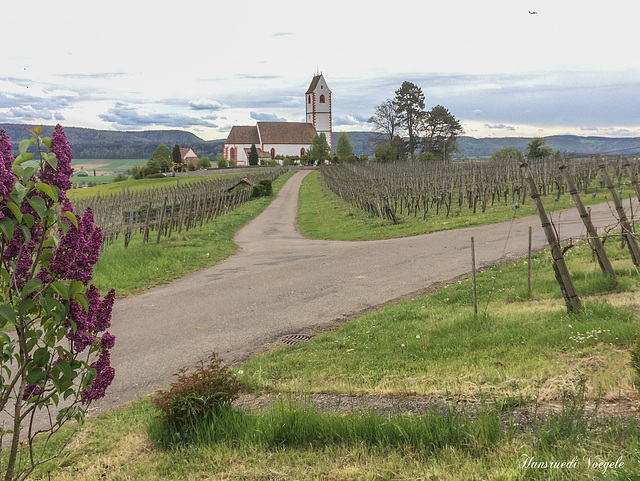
(324, 215)
(518, 346)
(135, 268)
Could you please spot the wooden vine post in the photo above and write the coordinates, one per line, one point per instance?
(559, 266)
(627, 231)
(633, 178)
(594, 239)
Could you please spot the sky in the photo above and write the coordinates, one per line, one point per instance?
(571, 68)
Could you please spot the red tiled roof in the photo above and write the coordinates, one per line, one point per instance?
(286, 132)
(243, 134)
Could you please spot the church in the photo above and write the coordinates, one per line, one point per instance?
(284, 138)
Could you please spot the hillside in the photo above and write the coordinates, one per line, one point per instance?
(110, 144)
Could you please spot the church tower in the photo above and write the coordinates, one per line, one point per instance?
(318, 102)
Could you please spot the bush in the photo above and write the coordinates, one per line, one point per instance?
(120, 177)
(258, 191)
(192, 167)
(208, 388)
(159, 175)
(268, 190)
(220, 160)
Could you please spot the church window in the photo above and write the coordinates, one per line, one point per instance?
(273, 153)
(232, 153)
(322, 99)
(309, 100)
(302, 151)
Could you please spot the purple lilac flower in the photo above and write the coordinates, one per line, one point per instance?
(61, 175)
(104, 376)
(6, 162)
(77, 253)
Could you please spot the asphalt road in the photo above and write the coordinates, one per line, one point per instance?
(280, 283)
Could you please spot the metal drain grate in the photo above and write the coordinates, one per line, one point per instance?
(291, 339)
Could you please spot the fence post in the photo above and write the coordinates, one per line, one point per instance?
(594, 239)
(559, 266)
(627, 232)
(473, 278)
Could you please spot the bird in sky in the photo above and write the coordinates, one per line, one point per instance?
(533, 13)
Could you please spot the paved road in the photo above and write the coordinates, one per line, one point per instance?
(280, 283)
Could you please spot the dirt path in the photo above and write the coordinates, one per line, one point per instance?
(280, 283)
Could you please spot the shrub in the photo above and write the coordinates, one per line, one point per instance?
(258, 191)
(210, 387)
(220, 160)
(120, 177)
(267, 186)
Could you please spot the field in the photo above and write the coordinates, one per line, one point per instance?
(105, 169)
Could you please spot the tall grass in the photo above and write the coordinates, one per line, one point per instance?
(298, 424)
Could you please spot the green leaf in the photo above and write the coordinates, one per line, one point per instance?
(38, 205)
(32, 285)
(81, 299)
(47, 142)
(66, 370)
(41, 356)
(26, 234)
(36, 375)
(20, 191)
(8, 313)
(61, 289)
(7, 228)
(72, 217)
(13, 207)
(48, 190)
(52, 160)
(29, 220)
(4, 338)
(26, 306)
(23, 146)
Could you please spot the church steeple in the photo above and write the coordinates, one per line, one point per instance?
(318, 102)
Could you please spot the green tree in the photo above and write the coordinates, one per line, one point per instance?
(344, 148)
(221, 161)
(441, 131)
(253, 155)
(153, 167)
(536, 149)
(162, 155)
(161, 152)
(508, 154)
(386, 152)
(176, 159)
(409, 104)
(204, 162)
(319, 150)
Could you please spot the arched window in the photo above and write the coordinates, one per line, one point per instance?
(322, 99)
(232, 154)
(273, 153)
(309, 99)
(302, 151)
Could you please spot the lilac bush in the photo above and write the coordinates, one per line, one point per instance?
(54, 339)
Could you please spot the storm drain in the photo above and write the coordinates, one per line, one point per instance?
(291, 339)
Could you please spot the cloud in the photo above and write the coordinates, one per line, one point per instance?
(206, 104)
(29, 113)
(350, 119)
(124, 116)
(282, 34)
(256, 76)
(262, 117)
(500, 127)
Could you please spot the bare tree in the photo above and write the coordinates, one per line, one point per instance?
(386, 121)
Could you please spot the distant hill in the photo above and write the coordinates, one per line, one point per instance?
(472, 147)
(112, 144)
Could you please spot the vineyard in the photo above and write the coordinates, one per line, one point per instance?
(420, 189)
(160, 212)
